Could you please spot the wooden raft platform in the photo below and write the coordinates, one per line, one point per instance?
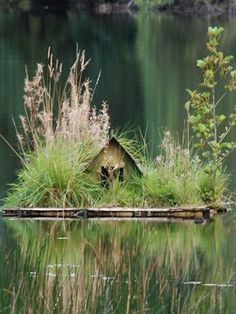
(114, 212)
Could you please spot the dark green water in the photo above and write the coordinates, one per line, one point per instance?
(147, 61)
(118, 267)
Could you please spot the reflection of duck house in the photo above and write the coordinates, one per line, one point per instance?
(113, 162)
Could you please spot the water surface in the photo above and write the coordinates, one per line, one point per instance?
(118, 267)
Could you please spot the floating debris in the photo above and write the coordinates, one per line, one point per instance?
(192, 282)
(51, 274)
(72, 274)
(215, 285)
(33, 274)
(103, 277)
(63, 265)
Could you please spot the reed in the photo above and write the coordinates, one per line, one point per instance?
(54, 112)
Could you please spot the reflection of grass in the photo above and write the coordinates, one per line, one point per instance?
(152, 3)
(190, 6)
(117, 267)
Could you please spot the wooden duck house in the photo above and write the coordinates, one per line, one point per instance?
(113, 162)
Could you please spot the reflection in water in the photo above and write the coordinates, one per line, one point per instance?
(118, 267)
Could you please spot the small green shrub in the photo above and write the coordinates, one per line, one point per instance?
(210, 127)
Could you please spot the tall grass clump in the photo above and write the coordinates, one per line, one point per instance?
(55, 177)
(178, 177)
(60, 133)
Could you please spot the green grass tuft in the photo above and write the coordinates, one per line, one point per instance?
(55, 177)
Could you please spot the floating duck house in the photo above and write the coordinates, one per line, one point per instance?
(114, 162)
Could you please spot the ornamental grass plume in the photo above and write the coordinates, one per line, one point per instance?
(53, 113)
(61, 133)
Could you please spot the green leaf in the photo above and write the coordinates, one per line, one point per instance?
(215, 31)
(233, 74)
(187, 105)
(201, 64)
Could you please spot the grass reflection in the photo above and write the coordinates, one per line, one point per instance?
(116, 267)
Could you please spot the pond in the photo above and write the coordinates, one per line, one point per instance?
(147, 61)
(118, 267)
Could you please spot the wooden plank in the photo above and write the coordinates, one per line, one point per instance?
(116, 219)
(109, 209)
(43, 209)
(106, 212)
(170, 209)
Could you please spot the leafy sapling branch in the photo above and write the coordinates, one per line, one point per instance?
(210, 127)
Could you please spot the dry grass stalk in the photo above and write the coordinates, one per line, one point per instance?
(67, 114)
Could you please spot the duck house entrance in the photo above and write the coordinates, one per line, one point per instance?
(113, 162)
(108, 174)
